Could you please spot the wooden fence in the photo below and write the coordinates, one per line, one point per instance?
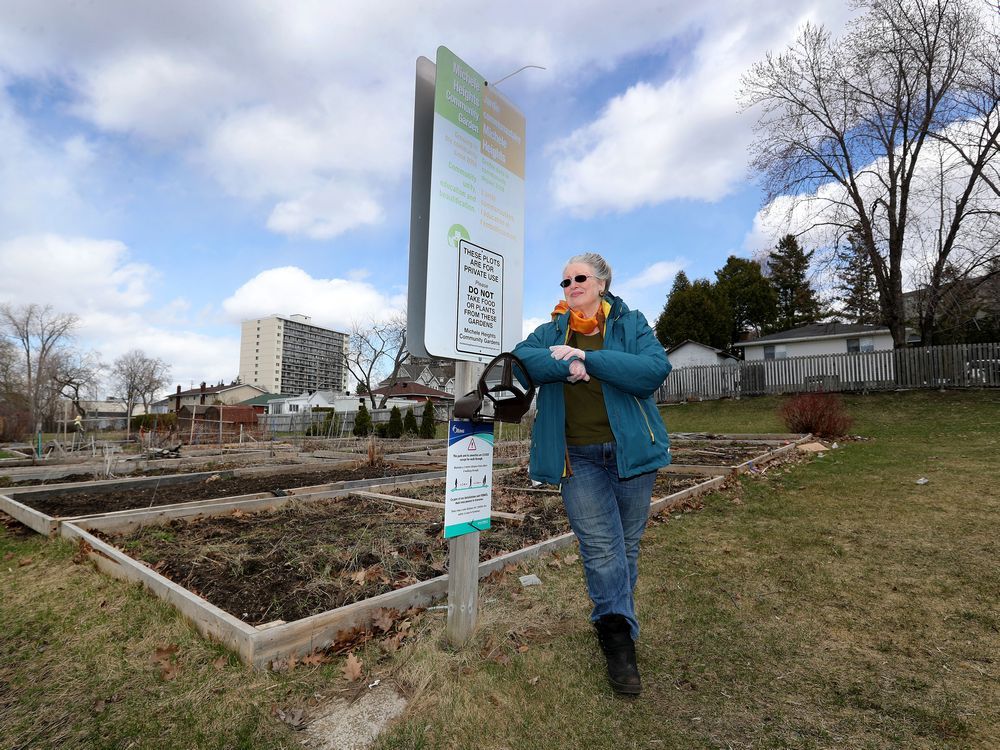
(956, 366)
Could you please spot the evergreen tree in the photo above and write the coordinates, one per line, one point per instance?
(797, 301)
(694, 313)
(681, 283)
(362, 422)
(857, 290)
(750, 301)
(410, 426)
(395, 429)
(427, 427)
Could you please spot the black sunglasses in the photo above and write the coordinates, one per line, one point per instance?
(579, 279)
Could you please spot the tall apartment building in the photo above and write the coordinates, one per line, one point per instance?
(288, 354)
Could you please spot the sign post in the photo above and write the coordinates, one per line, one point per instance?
(466, 273)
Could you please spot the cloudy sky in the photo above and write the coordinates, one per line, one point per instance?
(169, 169)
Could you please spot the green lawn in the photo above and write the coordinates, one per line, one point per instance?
(831, 603)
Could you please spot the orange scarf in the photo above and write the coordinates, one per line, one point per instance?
(580, 323)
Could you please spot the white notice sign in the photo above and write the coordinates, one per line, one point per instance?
(469, 483)
(480, 295)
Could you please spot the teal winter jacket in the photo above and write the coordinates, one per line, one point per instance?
(631, 366)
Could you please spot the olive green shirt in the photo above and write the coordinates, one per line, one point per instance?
(586, 415)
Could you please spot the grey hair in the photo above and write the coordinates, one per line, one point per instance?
(601, 268)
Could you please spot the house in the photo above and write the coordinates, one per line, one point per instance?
(230, 395)
(307, 402)
(818, 338)
(414, 393)
(259, 403)
(690, 353)
(108, 414)
(438, 374)
(818, 356)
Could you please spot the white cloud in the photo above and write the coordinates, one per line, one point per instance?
(819, 219)
(192, 356)
(72, 273)
(40, 182)
(647, 289)
(530, 324)
(280, 102)
(335, 303)
(683, 138)
(111, 294)
(156, 94)
(324, 213)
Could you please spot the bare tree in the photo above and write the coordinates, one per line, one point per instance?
(374, 349)
(40, 333)
(76, 374)
(849, 131)
(137, 377)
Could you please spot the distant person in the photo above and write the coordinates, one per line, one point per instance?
(599, 435)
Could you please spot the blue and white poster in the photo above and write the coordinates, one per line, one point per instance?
(469, 483)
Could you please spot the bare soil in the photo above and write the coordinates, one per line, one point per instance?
(310, 557)
(716, 455)
(108, 500)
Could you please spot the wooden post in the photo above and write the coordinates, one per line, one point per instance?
(463, 551)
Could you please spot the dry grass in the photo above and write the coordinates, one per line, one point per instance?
(834, 603)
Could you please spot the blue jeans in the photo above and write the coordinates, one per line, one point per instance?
(608, 516)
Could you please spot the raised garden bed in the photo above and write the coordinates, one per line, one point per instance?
(382, 547)
(309, 557)
(43, 509)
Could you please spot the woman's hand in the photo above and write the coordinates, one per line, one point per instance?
(577, 371)
(567, 352)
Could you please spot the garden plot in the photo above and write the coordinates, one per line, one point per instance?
(330, 564)
(43, 509)
(719, 454)
(53, 471)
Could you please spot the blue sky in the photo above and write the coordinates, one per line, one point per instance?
(168, 169)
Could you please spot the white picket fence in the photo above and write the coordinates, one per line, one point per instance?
(955, 366)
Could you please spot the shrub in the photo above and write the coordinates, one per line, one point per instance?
(362, 422)
(382, 429)
(410, 426)
(427, 427)
(395, 428)
(822, 414)
(166, 421)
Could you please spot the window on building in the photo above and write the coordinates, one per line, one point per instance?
(860, 344)
(293, 407)
(775, 351)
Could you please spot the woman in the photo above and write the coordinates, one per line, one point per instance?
(600, 436)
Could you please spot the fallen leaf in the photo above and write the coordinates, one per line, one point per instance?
(569, 559)
(359, 577)
(293, 716)
(352, 668)
(8, 556)
(98, 706)
(314, 659)
(169, 671)
(164, 653)
(384, 619)
(533, 681)
(24, 561)
(522, 649)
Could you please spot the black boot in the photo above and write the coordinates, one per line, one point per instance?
(615, 636)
